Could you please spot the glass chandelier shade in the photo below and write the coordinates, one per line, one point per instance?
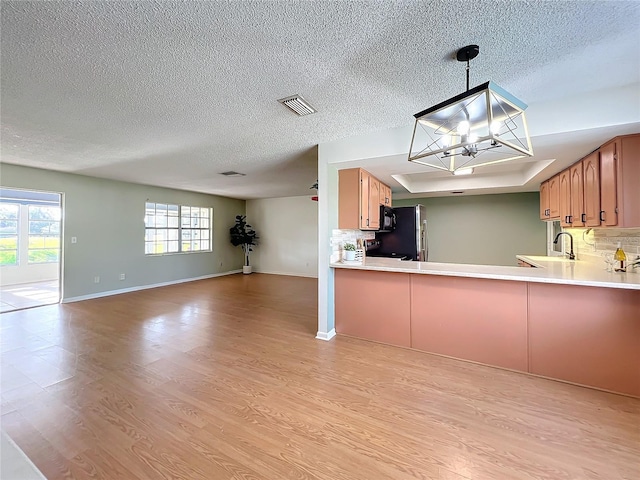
(482, 126)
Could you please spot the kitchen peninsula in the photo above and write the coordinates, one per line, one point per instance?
(569, 320)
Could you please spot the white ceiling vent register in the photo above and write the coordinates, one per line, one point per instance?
(298, 104)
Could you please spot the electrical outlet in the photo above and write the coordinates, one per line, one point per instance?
(74, 239)
(122, 276)
(96, 279)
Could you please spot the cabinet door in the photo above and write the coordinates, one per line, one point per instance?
(388, 197)
(554, 197)
(374, 203)
(564, 182)
(628, 176)
(544, 201)
(577, 196)
(608, 185)
(349, 199)
(383, 193)
(365, 180)
(591, 174)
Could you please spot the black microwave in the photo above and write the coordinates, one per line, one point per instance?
(387, 219)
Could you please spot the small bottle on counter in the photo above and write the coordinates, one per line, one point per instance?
(362, 245)
(620, 256)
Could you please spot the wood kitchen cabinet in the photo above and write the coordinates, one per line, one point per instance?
(601, 190)
(359, 200)
(564, 196)
(608, 184)
(554, 197)
(620, 182)
(385, 195)
(550, 199)
(577, 195)
(374, 202)
(544, 200)
(591, 174)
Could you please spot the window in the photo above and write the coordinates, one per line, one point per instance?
(195, 229)
(9, 213)
(175, 229)
(44, 234)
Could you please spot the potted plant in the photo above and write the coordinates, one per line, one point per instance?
(349, 252)
(244, 235)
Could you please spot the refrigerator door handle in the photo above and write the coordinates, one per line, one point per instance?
(424, 247)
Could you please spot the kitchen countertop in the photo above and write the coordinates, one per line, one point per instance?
(550, 270)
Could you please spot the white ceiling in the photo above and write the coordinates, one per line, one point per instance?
(172, 94)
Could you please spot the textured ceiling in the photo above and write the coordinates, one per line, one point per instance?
(173, 93)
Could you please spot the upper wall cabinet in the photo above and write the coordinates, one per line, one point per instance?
(554, 197)
(544, 200)
(564, 186)
(591, 199)
(385, 195)
(550, 199)
(620, 182)
(602, 189)
(578, 217)
(360, 196)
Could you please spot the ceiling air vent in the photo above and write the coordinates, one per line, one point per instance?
(298, 104)
(231, 173)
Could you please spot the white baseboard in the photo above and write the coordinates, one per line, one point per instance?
(144, 287)
(289, 274)
(326, 336)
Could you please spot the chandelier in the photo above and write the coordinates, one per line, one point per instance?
(483, 126)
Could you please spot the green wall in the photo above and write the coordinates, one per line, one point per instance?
(483, 229)
(107, 217)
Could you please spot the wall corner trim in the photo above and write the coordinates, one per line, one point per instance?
(326, 336)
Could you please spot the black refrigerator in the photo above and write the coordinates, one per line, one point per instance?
(409, 239)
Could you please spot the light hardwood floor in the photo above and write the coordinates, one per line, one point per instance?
(223, 378)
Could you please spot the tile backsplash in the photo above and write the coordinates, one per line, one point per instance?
(597, 241)
(340, 237)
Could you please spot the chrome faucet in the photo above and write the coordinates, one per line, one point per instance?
(571, 255)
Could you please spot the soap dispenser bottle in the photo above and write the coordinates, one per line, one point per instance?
(620, 256)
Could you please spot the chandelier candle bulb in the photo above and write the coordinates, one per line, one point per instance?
(463, 128)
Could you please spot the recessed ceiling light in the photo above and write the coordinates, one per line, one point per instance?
(298, 105)
(463, 171)
(231, 173)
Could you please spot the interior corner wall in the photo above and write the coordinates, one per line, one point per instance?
(288, 231)
(483, 229)
(107, 218)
